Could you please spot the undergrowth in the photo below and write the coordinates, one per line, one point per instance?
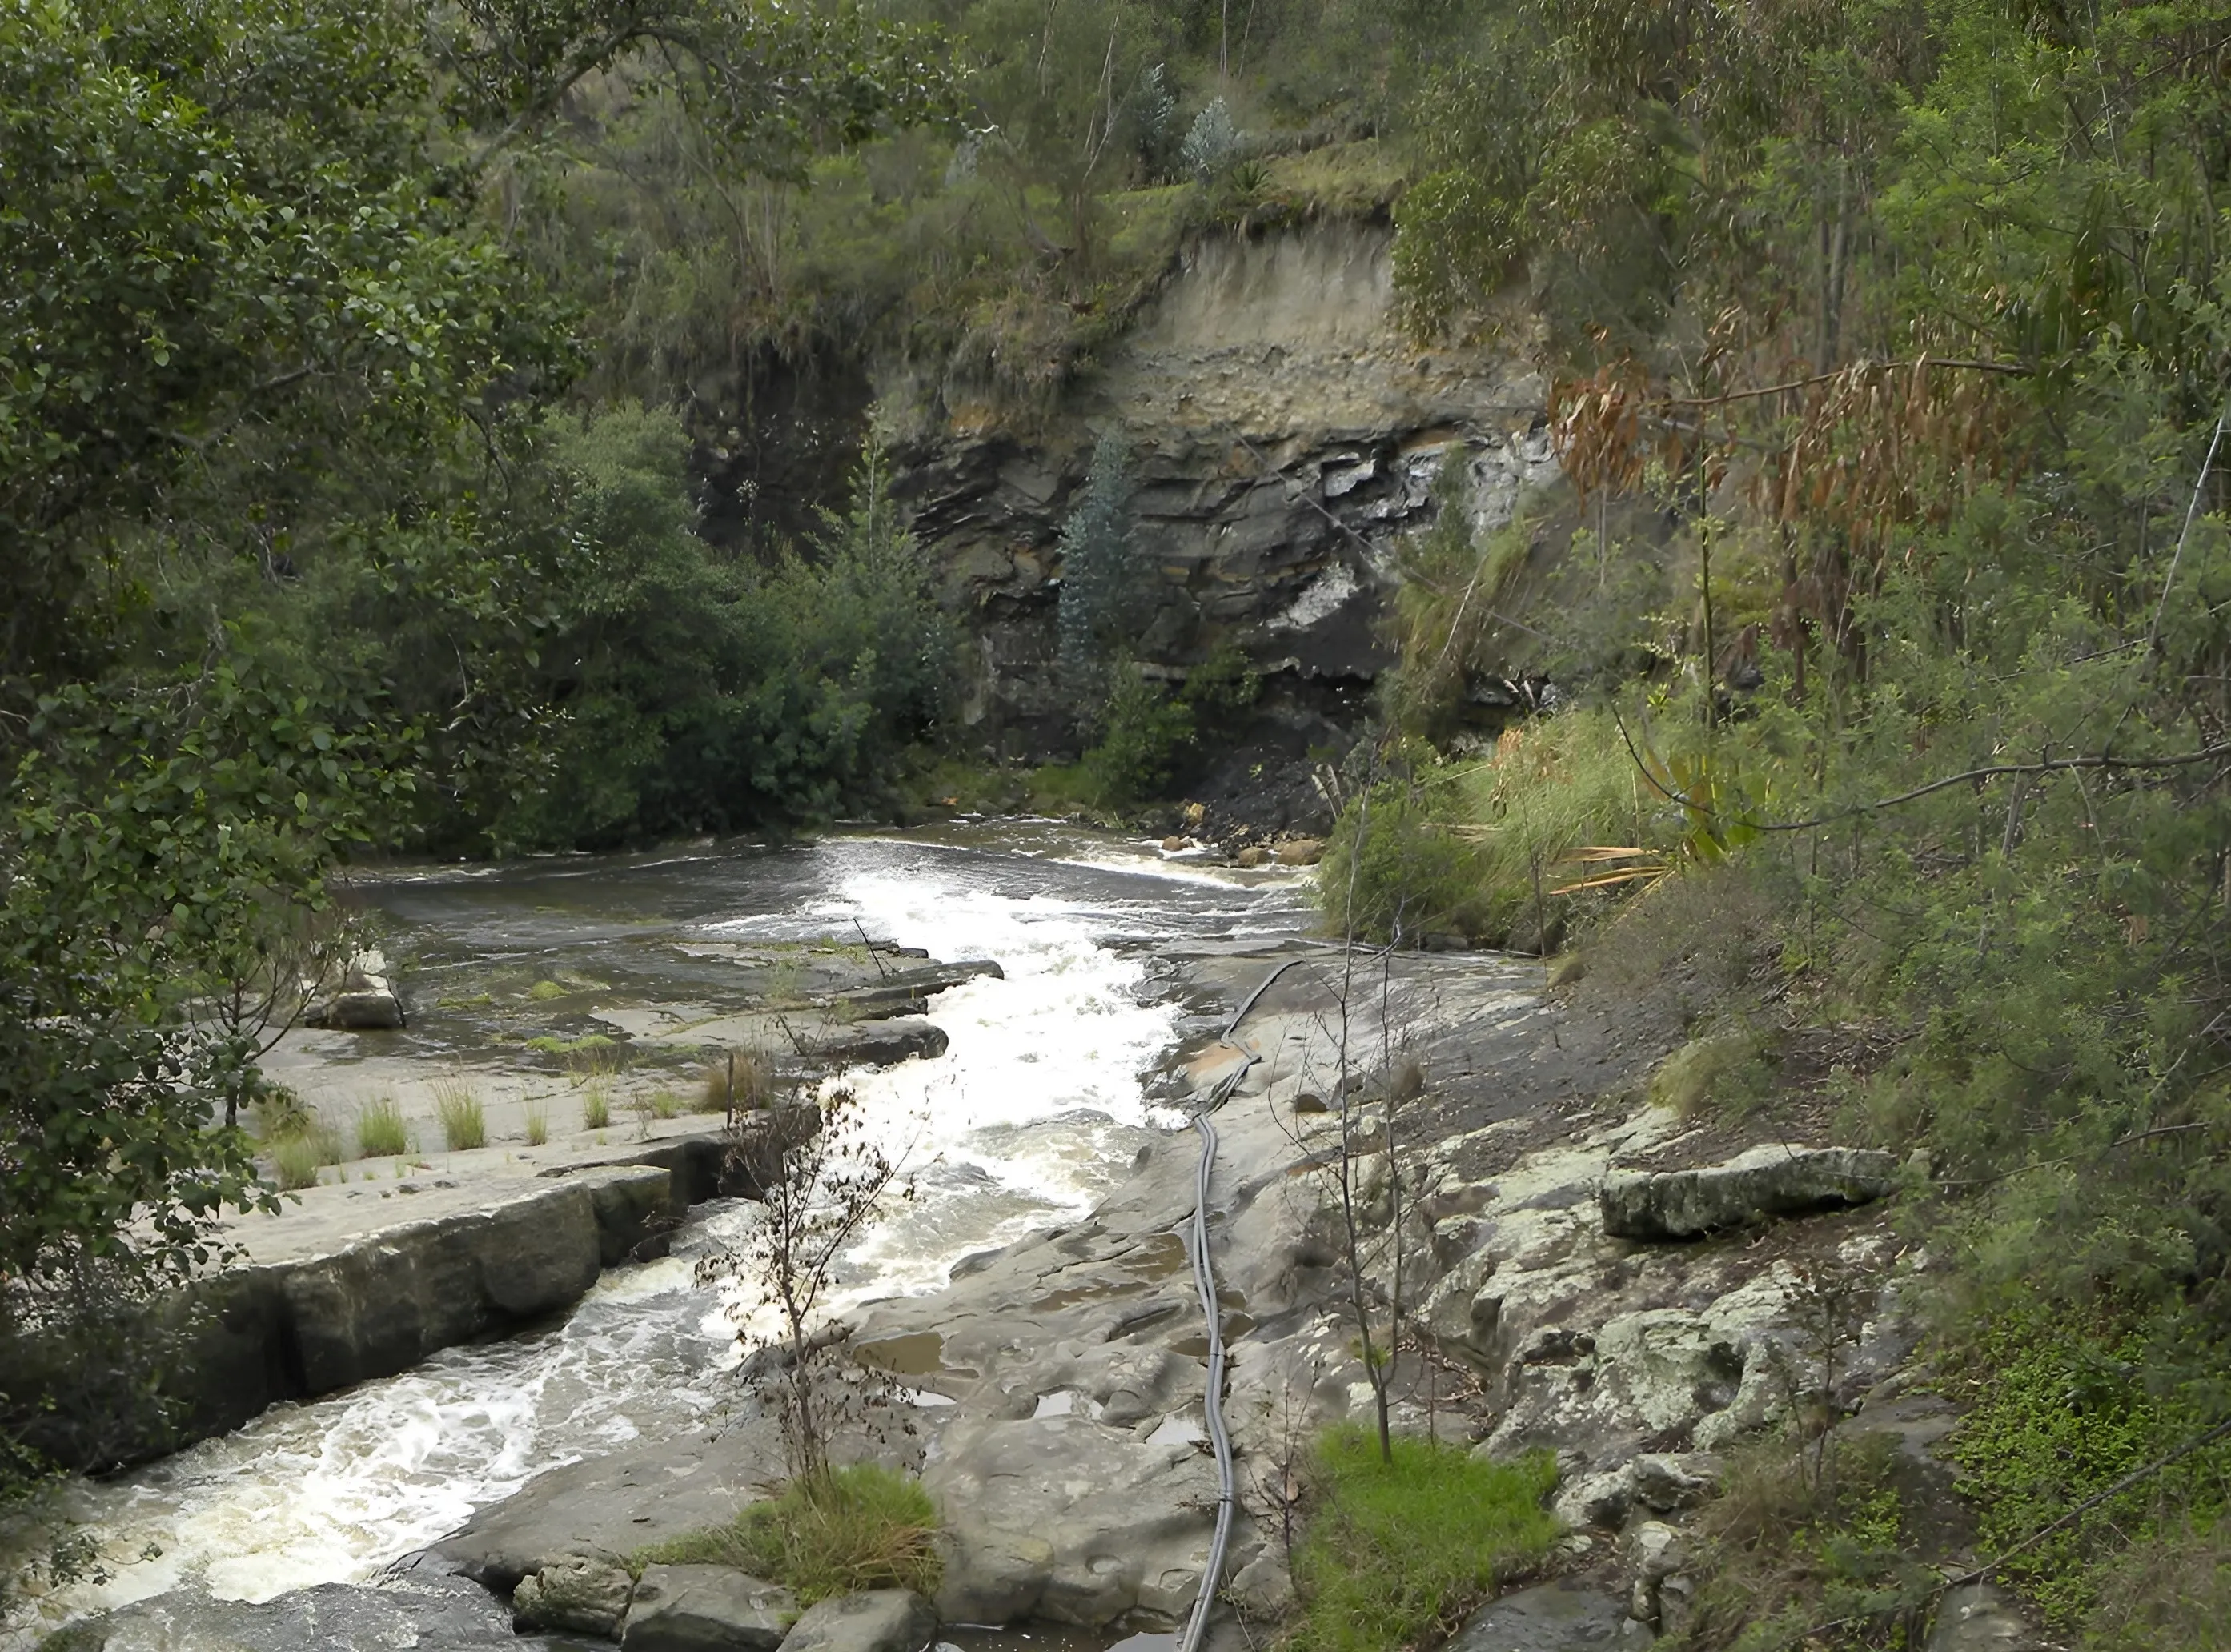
(863, 1527)
(1396, 1554)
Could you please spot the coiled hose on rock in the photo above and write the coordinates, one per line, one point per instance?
(1204, 1275)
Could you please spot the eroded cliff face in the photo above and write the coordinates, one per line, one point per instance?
(1283, 433)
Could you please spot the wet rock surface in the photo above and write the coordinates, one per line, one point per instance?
(1568, 1614)
(613, 1505)
(427, 1614)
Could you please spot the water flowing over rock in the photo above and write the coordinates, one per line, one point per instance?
(1774, 1180)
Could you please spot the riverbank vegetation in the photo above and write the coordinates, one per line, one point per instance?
(859, 1526)
(1886, 597)
(1400, 1548)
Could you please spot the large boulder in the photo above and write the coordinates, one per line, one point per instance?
(441, 1614)
(365, 1002)
(1776, 1180)
(1064, 1518)
(1570, 1615)
(706, 1609)
(618, 1503)
(576, 1594)
(881, 1620)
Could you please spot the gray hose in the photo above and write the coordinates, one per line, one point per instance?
(1204, 1277)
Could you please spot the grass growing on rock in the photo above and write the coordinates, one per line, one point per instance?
(380, 1131)
(864, 1527)
(464, 1125)
(1397, 1553)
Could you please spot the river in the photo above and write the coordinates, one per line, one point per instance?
(1046, 1094)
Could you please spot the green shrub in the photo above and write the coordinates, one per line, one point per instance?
(1800, 1536)
(380, 1133)
(1396, 1554)
(865, 1527)
(463, 1125)
(1144, 732)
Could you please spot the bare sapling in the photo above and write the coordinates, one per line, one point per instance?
(820, 1190)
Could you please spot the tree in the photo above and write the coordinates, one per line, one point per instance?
(1100, 577)
(282, 539)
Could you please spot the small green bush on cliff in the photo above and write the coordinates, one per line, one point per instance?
(863, 1526)
(1396, 1553)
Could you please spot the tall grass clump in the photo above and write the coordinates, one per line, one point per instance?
(380, 1133)
(742, 1080)
(1396, 1553)
(1488, 846)
(463, 1125)
(863, 1527)
(595, 1107)
(537, 1124)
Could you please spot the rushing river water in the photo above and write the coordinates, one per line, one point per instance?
(1040, 1105)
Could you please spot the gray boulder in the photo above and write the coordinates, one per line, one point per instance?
(365, 1002)
(1777, 1179)
(434, 1613)
(706, 1609)
(881, 1620)
(1567, 1615)
(576, 1594)
(1067, 1519)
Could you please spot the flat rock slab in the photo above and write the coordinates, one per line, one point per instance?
(1067, 1519)
(1570, 1614)
(706, 1609)
(881, 1620)
(613, 1505)
(424, 1614)
(1776, 1180)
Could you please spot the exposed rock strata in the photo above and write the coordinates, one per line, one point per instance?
(1283, 432)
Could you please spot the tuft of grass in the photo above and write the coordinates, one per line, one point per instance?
(380, 1133)
(537, 1124)
(863, 1527)
(296, 1162)
(1729, 1071)
(744, 1078)
(595, 1107)
(463, 1125)
(1396, 1554)
(544, 991)
(664, 1104)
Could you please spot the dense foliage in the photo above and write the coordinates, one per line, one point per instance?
(1911, 321)
(302, 554)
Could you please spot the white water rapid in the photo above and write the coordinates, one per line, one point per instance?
(1038, 1107)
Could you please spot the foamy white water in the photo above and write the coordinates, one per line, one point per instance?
(1035, 1111)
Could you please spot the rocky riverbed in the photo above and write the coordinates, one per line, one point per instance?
(1583, 1273)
